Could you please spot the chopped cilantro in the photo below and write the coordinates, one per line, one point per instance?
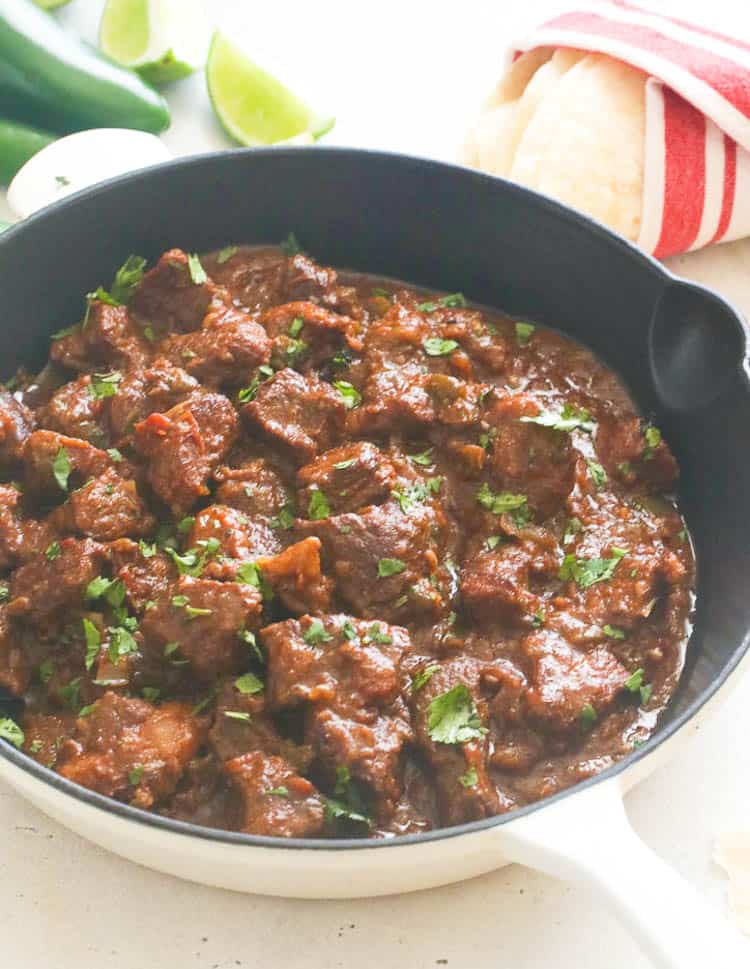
(453, 301)
(318, 507)
(316, 633)
(121, 643)
(424, 676)
(569, 419)
(387, 567)
(135, 775)
(524, 333)
(435, 346)
(53, 551)
(70, 694)
(248, 683)
(35, 746)
(652, 436)
(493, 541)
(185, 524)
(499, 502)
(374, 635)
(470, 778)
(646, 691)
(148, 549)
(343, 465)
(93, 643)
(424, 458)
(179, 602)
(613, 631)
(290, 246)
(250, 573)
(226, 254)
(261, 374)
(127, 277)
(105, 384)
(10, 731)
(296, 328)
(538, 619)
(61, 468)
(597, 472)
(285, 517)
(295, 350)
(238, 715)
(114, 455)
(452, 717)
(171, 648)
(588, 716)
(379, 291)
(148, 332)
(572, 528)
(193, 612)
(46, 671)
(197, 272)
(349, 631)
(194, 561)
(352, 397)
(279, 791)
(151, 693)
(587, 572)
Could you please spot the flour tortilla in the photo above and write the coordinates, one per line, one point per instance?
(513, 103)
(585, 142)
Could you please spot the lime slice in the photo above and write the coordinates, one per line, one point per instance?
(164, 40)
(252, 106)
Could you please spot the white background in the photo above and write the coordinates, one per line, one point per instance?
(404, 76)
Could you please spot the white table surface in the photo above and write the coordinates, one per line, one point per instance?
(401, 76)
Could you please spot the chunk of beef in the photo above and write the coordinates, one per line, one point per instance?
(334, 661)
(44, 587)
(240, 539)
(228, 347)
(528, 458)
(272, 799)
(231, 736)
(295, 576)
(16, 424)
(205, 618)
(350, 477)
(381, 555)
(129, 749)
(368, 745)
(216, 418)
(635, 451)
(465, 790)
(168, 298)
(256, 488)
(255, 277)
(475, 336)
(178, 465)
(77, 411)
(565, 680)
(44, 733)
(15, 670)
(306, 279)
(320, 331)
(43, 448)
(107, 338)
(20, 535)
(146, 574)
(106, 508)
(495, 584)
(143, 392)
(300, 411)
(407, 395)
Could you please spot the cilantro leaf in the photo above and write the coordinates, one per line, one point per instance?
(10, 731)
(453, 300)
(318, 507)
(452, 717)
(93, 643)
(524, 333)
(105, 384)
(613, 632)
(238, 715)
(569, 419)
(499, 502)
(424, 676)
(127, 278)
(226, 253)
(470, 778)
(197, 272)
(597, 472)
(61, 468)
(248, 684)
(424, 457)
(587, 572)
(316, 633)
(435, 346)
(388, 567)
(352, 397)
(588, 716)
(290, 246)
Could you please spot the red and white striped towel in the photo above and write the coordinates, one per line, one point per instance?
(697, 153)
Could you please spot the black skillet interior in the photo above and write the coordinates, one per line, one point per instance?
(680, 348)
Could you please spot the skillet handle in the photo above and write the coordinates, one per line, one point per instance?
(587, 838)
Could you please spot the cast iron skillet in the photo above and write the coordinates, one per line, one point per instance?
(680, 348)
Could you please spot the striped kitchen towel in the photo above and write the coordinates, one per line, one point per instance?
(696, 188)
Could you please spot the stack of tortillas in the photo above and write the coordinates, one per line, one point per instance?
(638, 119)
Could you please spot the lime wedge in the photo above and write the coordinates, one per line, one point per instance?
(164, 40)
(252, 106)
